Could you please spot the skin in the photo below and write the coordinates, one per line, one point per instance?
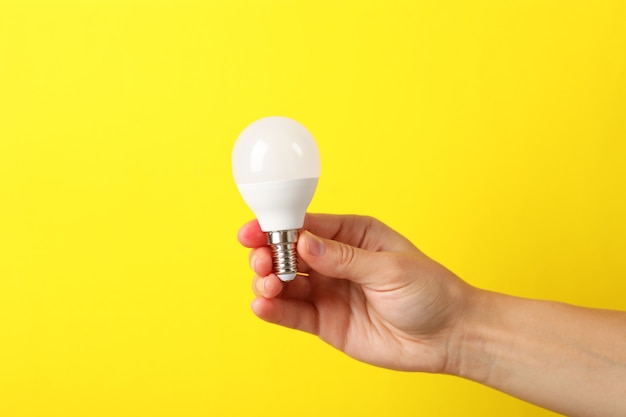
(373, 295)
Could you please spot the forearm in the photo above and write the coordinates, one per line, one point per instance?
(568, 359)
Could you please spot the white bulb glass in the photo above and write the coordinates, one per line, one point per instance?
(276, 165)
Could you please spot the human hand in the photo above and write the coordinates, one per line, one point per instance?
(370, 293)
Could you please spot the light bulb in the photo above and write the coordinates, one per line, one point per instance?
(276, 165)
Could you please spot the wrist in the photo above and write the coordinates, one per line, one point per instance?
(470, 354)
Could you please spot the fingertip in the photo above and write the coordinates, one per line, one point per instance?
(258, 307)
(311, 244)
(273, 286)
(261, 261)
(255, 305)
(265, 309)
(251, 235)
(267, 287)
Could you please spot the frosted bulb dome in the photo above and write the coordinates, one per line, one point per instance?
(275, 148)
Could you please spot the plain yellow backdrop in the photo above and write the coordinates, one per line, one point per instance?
(492, 134)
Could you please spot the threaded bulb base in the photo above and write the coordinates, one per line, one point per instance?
(284, 258)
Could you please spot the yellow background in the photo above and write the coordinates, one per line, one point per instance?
(491, 133)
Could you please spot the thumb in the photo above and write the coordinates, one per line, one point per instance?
(337, 259)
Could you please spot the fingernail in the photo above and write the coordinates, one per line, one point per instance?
(260, 285)
(314, 245)
(252, 261)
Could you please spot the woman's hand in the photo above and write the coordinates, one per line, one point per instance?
(370, 293)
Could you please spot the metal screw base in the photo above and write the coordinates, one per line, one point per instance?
(284, 258)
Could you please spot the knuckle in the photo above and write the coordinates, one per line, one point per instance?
(347, 255)
(395, 262)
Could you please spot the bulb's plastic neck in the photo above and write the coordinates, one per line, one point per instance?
(279, 205)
